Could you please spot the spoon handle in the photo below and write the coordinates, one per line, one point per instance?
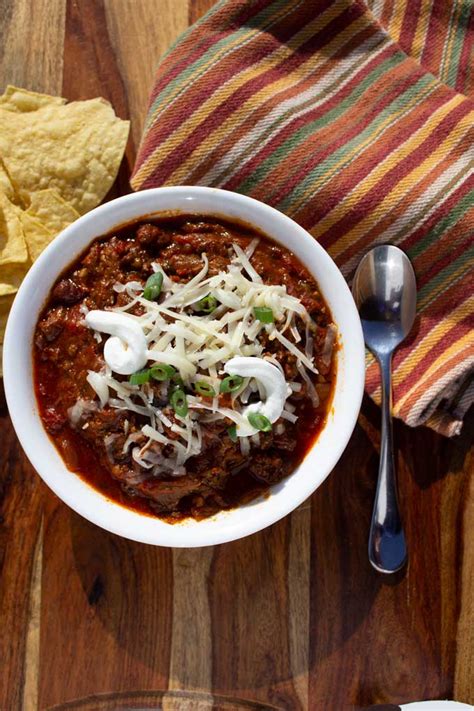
(387, 548)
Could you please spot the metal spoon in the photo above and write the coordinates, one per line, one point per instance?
(384, 290)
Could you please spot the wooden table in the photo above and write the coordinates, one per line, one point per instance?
(291, 618)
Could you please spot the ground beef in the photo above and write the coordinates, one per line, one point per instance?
(184, 265)
(268, 467)
(97, 425)
(152, 236)
(67, 292)
(217, 263)
(53, 420)
(50, 327)
(167, 495)
(285, 442)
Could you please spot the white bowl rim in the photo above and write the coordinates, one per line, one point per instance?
(83, 498)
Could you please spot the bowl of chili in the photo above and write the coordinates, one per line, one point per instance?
(195, 455)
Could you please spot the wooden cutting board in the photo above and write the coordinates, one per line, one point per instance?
(291, 618)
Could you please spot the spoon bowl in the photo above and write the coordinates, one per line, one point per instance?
(384, 290)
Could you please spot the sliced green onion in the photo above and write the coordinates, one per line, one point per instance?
(179, 402)
(204, 388)
(207, 304)
(231, 384)
(232, 432)
(162, 371)
(263, 314)
(260, 422)
(153, 286)
(140, 377)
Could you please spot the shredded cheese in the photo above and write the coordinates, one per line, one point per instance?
(199, 345)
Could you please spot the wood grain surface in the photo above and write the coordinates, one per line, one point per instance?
(291, 618)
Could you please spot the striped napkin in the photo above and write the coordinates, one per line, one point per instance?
(355, 120)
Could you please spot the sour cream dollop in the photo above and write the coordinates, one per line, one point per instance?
(126, 351)
(273, 382)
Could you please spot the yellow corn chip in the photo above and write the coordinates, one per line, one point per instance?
(5, 306)
(12, 242)
(22, 100)
(73, 148)
(48, 207)
(57, 161)
(6, 186)
(11, 276)
(37, 236)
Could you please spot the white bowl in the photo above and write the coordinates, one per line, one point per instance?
(224, 526)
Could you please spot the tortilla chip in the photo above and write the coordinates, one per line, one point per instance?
(5, 306)
(22, 100)
(37, 236)
(12, 241)
(51, 210)
(74, 148)
(6, 186)
(11, 276)
(57, 160)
